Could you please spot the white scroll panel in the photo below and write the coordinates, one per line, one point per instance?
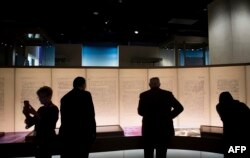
(193, 93)
(62, 83)
(7, 100)
(168, 80)
(103, 85)
(230, 78)
(132, 82)
(27, 82)
(116, 91)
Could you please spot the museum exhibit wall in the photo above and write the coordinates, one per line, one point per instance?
(115, 91)
(228, 31)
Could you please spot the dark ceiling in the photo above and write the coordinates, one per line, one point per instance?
(104, 21)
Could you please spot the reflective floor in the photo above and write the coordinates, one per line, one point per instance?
(172, 153)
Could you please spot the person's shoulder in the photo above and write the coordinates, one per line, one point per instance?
(219, 106)
(85, 93)
(239, 103)
(65, 97)
(242, 104)
(68, 93)
(166, 92)
(144, 93)
(55, 107)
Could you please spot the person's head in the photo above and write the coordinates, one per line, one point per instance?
(154, 82)
(80, 83)
(225, 97)
(44, 94)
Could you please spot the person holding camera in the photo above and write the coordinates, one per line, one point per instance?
(44, 119)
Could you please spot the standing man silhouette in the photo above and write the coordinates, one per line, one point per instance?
(78, 125)
(158, 108)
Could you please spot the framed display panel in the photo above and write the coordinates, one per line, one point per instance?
(7, 99)
(116, 92)
(168, 80)
(62, 83)
(228, 78)
(27, 82)
(103, 85)
(132, 82)
(248, 85)
(193, 93)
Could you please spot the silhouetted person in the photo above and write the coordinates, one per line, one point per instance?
(78, 125)
(158, 108)
(44, 119)
(235, 116)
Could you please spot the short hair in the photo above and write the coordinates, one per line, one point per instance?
(78, 82)
(45, 90)
(154, 82)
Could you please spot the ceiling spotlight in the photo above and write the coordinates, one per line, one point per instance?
(136, 32)
(30, 35)
(96, 13)
(37, 36)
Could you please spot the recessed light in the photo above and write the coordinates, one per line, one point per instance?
(136, 32)
(37, 36)
(95, 13)
(30, 35)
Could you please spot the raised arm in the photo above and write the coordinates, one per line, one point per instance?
(177, 107)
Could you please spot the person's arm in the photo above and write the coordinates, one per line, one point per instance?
(92, 116)
(29, 121)
(63, 111)
(52, 118)
(177, 107)
(220, 112)
(141, 105)
(27, 111)
(34, 112)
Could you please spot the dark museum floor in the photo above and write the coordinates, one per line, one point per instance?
(104, 132)
(172, 153)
